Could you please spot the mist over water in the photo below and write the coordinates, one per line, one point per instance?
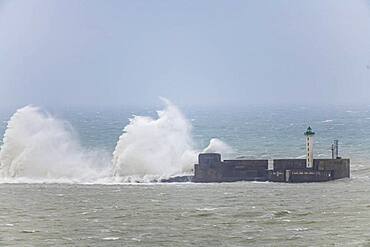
(39, 147)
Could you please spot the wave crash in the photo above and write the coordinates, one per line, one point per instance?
(38, 146)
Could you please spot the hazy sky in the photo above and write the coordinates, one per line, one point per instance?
(75, 52)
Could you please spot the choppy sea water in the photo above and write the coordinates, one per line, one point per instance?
(228, 214)
(237, 214)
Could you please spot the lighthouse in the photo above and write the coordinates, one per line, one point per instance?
(309, 147)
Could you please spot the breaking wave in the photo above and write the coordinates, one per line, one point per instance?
(163, 146)
(38, 147)
(155, 146)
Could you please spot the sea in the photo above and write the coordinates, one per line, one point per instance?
(78, 176)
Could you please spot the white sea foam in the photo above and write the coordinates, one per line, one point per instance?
(110, 238)
(39, 148)
(218, 146)
(155, 148)
(301, 157)
(206, 209)
(327, 121)
(161, 146)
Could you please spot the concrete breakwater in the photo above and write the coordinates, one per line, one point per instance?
(210, 168)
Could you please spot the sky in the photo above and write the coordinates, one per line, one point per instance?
(195, 53)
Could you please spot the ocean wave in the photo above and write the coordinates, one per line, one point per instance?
(39, 148)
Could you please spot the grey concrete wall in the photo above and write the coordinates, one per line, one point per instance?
(276, 176)
(207, 172)
(209, 158)
(305, 176)
(289, 164)
(208, 168)
(252, 164)
(212, 169)
(244, 168)
(340, 167)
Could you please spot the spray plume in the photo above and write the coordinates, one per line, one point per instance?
(39, 146)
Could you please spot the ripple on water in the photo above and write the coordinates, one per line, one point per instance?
(29, 231)
(268, 214)
(205, 209)
(281, 213)
(110, 238)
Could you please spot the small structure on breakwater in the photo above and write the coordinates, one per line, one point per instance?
(211, 168)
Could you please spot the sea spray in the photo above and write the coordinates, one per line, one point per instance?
(39, 146)
(161, 146)
(153, 148)
(218, 146)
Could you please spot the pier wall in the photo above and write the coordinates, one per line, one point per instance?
(295, 170)
(340, 167)
(289, 164)
(211, 168)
